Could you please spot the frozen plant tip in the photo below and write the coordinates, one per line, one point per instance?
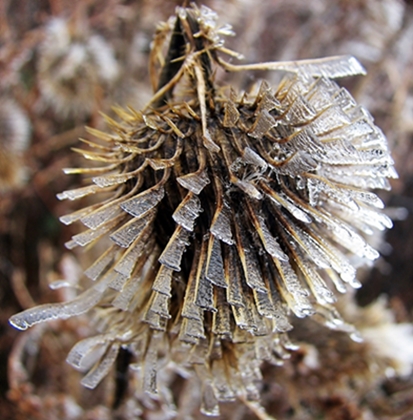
(225, 213)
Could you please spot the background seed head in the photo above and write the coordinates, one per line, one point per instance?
(14, 139)
(74, 66)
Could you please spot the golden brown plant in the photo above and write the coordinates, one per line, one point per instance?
(223, 213)
(14, 139)
(74, 66)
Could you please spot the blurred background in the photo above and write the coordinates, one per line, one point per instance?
(63, 62)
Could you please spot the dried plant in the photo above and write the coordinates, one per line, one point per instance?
(223, 213)
(14, 139)
(74, 66)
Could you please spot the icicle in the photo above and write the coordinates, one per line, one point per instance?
(163, 280)
(131, 230)
(68, 219)
(332, 118)
(160, 305)
(215, 265)
(49, 311)
(188, 211)
(283, 200)
(248, 260)
(91, 235)
(264, 305)
(231, 115)
(292, 291)
(203, 287)
(99, 266)
(130, 257)
(78, 192)
(316, 284)
(86, 352)
(192, 328)
(194, 182)
(172, 254)
(189, 308)
(150, 365)
(300, 111)
(100, 216)
(221, 319)
(235, 294)
(118, 281)
(254, 158)
(221, 225)
(270, 243)
(143, 203)
(109, 180)
(123, 299)
(264, 122)
(92, 379)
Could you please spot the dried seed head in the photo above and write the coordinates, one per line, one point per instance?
(226, 213)
(14, 138)
(73, 66)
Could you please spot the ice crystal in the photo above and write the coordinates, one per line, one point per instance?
(227, 212)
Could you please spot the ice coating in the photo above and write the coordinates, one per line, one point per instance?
(224, 215)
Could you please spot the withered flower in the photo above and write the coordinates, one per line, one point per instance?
(226, 213)
(74, 65)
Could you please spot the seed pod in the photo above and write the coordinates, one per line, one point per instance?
(227, 212)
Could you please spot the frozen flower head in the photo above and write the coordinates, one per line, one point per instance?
(14, 139)
(225, 214)
(73, 68)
